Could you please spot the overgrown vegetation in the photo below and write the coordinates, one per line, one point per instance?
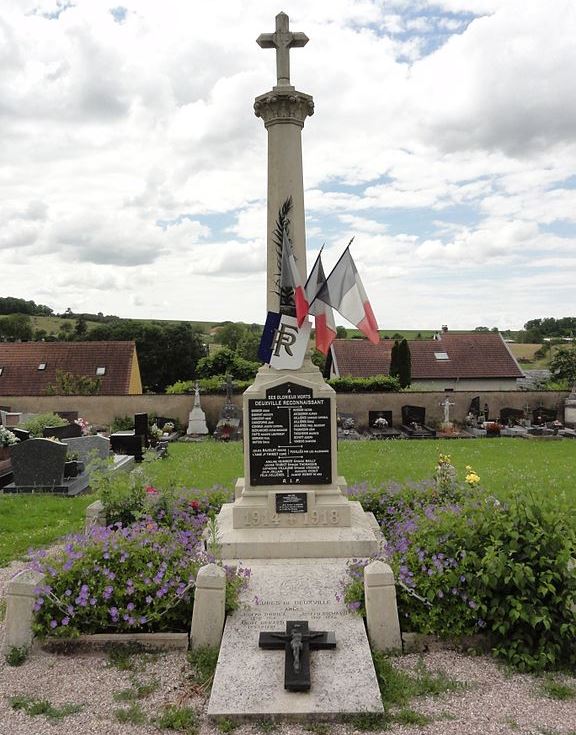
(16, 656)
(33, 706)
(203, 665)
(180, 719)
(477, 564)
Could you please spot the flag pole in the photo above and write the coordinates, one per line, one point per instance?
(337, 263)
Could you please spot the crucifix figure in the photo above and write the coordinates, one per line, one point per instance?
(297, 642)
(282, 40)
(446, 404)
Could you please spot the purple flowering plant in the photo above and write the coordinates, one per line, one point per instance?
(427, 528)
(136, 578)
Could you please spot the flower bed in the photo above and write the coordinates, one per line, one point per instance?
(135, 578)
(465, 563)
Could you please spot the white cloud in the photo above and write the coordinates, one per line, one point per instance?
(460, 158)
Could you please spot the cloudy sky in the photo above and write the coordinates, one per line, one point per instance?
(133, 169)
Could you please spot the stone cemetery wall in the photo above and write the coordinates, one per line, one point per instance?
(100, 410)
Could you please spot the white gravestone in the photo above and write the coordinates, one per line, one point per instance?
(197, 417)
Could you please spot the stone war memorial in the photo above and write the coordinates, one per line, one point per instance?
(302, 653)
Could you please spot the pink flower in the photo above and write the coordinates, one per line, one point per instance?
(151, 490)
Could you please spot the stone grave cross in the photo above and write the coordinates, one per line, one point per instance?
(447, 404)
(282, 40)
(297, 641)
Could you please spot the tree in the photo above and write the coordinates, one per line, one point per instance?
(394, 360)
(12, 305)
(80, 328)
(404, 364)
(231, 333)
(563, 365)
(224, 362)
(341, 333)
(16, 328)
(248, 346)
(69, 384)
(167, 353)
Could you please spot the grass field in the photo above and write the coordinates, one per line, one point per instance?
(544, 469)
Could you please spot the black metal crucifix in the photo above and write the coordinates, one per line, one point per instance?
(297, 641)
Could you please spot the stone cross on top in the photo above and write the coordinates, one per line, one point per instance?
(282, 40)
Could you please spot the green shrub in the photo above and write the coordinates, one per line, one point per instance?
(16, 656)
(377, 384)
(208, 386)
(526, 585)
(123, 496)
(121, 423)
(36, 424)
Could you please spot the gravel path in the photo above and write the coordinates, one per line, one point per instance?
(493, 703)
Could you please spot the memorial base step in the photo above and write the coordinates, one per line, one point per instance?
(361, 539)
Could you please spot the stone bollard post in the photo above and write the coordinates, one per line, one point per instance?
(209, 607)
(95, 515)
(381, 609)
(20, 598)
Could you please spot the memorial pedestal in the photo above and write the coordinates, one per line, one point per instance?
(291, 502)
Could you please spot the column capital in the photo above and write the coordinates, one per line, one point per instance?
(284, 106)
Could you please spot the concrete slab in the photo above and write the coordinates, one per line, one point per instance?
(249, 682)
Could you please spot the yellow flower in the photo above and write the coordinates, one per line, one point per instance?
(472, 478)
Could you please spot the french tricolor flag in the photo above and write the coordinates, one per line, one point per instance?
(343, 291)
(324, 326)
(291, 278)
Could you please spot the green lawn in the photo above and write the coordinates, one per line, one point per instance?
(504, 465)
(545, 469)
(37, 520)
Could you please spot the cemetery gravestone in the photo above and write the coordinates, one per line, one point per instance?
(62, 432)
(69, 416)
(21, 434)
(228, 426)
(381, 425)
(197, 418)
(413, 423)
(129, 444)
(39, 463)
(570, 409)
(541, 416)
(141, 425)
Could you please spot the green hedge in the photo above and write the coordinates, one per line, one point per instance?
(377, 384)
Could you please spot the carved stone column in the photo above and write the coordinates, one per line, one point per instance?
(283, 111)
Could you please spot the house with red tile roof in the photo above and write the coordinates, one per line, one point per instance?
(29, 368)
(457, 361)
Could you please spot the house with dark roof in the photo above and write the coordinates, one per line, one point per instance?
(451, 361)
(30, 368)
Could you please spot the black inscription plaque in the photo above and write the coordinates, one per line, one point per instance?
(290, 440)
(291, 503)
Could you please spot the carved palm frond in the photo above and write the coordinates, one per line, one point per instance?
(286, 295)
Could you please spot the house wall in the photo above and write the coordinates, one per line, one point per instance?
(135, 387)
(478, 384)
(100, 410)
